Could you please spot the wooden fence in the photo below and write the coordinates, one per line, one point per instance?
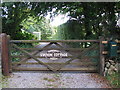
(6, 59)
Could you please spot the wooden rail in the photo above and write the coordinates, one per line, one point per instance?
(83, 63)
(87, 69)
(36, 41)
(23, 56)
(105, 42)
(118, 41)
(66, 49)
(106, 52)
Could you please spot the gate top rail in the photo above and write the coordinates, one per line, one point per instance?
(35, 41)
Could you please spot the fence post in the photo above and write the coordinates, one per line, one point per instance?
(5, 55)
(9, 53)
(102, 58)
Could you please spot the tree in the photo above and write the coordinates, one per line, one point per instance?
(96, 19)
(14, 13)
(38, 24)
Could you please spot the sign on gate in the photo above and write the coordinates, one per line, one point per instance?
(54, 54)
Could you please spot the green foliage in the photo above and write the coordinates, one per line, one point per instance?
(70, 30)
(24, 36)
(3, 81)
(93, 19)
(114, 79)
(89, 21)
(14, 13)
(38, 24)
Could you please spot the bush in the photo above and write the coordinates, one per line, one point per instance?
(114, 79)
(24, 36)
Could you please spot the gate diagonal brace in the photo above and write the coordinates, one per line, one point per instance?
(26, 59)
(61, 47)
(82, 55)
(29, 55)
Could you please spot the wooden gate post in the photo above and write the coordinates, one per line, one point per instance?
(9, 49)
(102, 58)
(5, 55)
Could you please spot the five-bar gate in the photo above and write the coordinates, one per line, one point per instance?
(52, 55)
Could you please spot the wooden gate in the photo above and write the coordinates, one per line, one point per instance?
(76, 59)
(80, 55)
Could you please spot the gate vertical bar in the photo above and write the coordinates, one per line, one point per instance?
(9, 53)
(102, 58)
(5, 55)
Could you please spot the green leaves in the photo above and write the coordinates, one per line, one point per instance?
(9, 21)
(95, 19)
(37, 24)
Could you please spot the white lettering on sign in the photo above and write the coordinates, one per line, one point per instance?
(54, 54)
(46, 55)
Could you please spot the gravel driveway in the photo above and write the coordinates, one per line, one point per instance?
(56, 80)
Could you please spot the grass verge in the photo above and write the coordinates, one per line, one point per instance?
(3, 81)
(114, 80)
